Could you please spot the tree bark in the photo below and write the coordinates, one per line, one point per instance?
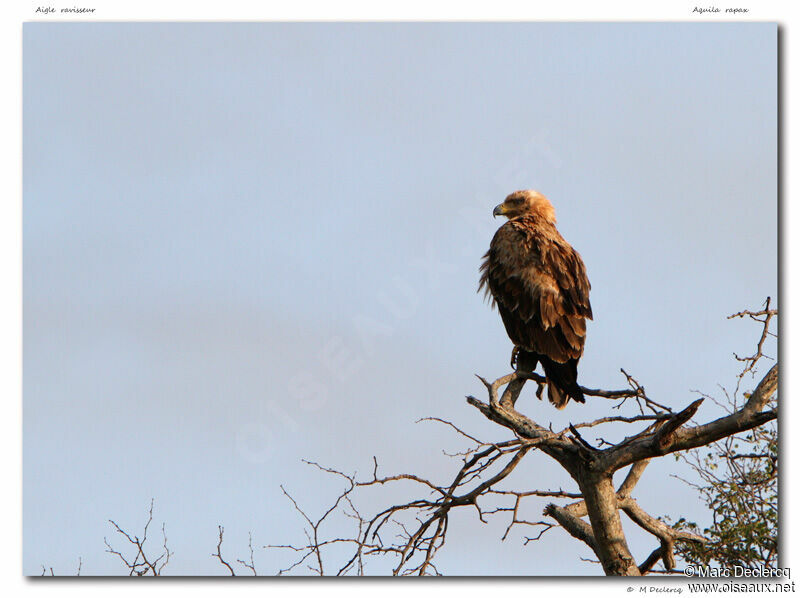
(601, 506)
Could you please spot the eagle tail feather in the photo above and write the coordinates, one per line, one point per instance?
(562, 382)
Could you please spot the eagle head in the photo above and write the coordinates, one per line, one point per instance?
(526, 203)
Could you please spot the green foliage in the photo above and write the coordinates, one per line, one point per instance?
(739, 478)
(739, 486)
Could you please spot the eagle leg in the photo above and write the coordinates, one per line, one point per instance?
(523, 360)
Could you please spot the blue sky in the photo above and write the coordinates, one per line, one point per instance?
(248, 244)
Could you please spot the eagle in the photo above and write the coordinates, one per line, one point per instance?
(538, 283)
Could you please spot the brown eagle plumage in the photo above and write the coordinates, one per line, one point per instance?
(539, 284)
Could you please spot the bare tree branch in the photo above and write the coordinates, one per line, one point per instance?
(413, 532)
(140, 564)
(218, 554)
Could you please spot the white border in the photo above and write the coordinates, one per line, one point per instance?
(238, 10)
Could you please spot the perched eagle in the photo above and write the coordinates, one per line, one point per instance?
(539, 284)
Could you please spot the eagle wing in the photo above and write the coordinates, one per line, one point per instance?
(539, 284)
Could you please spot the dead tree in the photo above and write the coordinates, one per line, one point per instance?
(593, 515)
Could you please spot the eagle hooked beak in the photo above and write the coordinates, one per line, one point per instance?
(499, 210)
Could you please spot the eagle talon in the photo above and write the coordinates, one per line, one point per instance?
(514, 355)
(539, 390)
